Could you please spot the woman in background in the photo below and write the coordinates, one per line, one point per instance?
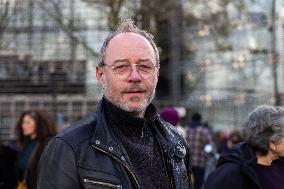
(33, 131)
(258, 162)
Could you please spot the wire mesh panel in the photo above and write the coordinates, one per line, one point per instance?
(215, 56)
(45, 50)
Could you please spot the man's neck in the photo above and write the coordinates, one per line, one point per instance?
(138, 114)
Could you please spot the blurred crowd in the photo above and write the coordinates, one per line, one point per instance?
(19, 159)
(206, 143)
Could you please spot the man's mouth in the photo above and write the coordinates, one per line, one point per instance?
(134, 91)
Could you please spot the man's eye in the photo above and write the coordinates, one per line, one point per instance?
(121, 67)
(145, 67)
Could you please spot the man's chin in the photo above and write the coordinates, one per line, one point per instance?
(135, 107)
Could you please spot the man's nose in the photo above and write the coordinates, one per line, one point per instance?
(134, 74)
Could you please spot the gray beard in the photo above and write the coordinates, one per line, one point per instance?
(141, 111)
(138, 112)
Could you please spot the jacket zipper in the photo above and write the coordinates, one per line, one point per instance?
(101, 183)
(127, 168)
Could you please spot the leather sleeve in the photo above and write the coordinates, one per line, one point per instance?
(57, 167)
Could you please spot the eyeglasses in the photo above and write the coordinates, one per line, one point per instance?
(122, 70)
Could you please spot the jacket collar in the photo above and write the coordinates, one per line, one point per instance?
(124, 122)
(172, 142)
(103, 138)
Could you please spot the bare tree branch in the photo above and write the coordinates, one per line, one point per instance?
(114, 7)
(57, 15)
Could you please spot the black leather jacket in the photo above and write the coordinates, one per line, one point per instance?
(87, 155)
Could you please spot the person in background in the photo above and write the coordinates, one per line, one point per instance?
(226, 141)
(256, 163)
(171, 116)
(125, 143)
(8, 157)
(198, 136)
(33, 130)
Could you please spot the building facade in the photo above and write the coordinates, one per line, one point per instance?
(48, 52)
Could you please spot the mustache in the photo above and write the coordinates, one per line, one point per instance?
(133, 89)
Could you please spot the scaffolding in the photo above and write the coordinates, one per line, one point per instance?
(48, 51)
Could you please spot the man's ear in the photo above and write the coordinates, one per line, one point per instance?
(100, 75)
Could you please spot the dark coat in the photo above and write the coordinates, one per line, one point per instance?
(235, 170)
(87, 155)
(8, 176)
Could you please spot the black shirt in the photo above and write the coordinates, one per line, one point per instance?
(137, 137)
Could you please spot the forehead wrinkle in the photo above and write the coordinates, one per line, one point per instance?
(121, 60)
(145, 60)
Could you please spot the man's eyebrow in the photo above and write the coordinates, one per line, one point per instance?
(145, 60)
(126, 60)
(120, 60)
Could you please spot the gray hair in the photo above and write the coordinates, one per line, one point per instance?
(127, 25)
(265, 124)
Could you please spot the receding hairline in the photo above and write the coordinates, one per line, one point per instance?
(133, 35)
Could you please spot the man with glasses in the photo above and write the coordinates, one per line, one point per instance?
(125, 144)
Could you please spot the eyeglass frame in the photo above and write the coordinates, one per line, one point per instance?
(112, 67)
